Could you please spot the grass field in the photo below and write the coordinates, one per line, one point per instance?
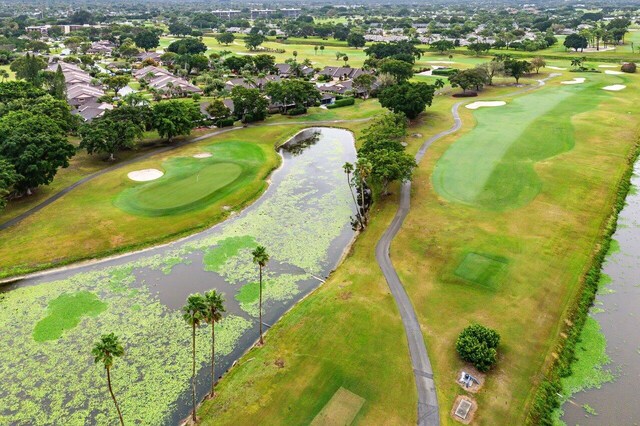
(508, 251)
(96, 218)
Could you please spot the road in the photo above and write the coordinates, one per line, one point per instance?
(428, 410)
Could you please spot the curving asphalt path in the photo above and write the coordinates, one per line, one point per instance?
(428, 410)
(92, 176)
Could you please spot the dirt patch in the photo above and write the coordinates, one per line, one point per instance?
(279, 363)
(474, 386)
(469, 415)
(345, 295)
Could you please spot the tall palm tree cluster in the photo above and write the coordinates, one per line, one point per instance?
(199, 308)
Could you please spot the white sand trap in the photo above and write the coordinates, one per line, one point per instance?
(607, 66)
(556, 68)
(145, 175)
(613, 72)
(480, 104)
(441, 62)
(203, 155)
(576, 80)
(615, 87)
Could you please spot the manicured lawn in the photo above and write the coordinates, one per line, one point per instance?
(510, 252)
(111, 213)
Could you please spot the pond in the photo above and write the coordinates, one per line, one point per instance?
(50, 322)
(612, 347)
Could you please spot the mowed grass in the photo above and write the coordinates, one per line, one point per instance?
(191, 183)
(492, 167)
(87, 222)
(547, 243)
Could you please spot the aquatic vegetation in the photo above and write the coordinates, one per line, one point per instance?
(217, 256)
(65, 312)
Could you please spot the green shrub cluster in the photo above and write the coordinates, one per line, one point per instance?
(299, 110)
(477, 344)
(342, 102)
(447, 72)
(225, 122)
(547, 397)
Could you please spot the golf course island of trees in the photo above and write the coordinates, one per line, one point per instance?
(318, 214)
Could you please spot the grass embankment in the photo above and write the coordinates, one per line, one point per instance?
(539, 213)
(88, 223)
(345, 334)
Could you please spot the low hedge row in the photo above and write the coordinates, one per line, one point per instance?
(546, 399)
(225, 122)
(447, 72)
(342, 102)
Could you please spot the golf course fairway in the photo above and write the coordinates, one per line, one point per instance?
(492, 166)
(193, 183)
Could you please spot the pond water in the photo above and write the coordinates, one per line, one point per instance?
(48, 376)
(617, 311)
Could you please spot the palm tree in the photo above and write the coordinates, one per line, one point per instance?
(348, 169)
(193, 314)
(363, 171)
(213, 314)
(104, 351)
(261, 258)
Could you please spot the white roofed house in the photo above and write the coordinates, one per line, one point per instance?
(163, 82)
(80, 91)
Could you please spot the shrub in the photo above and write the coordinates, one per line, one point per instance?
(342, 102)
(469, 94)
(447, 72)
(297, 111)
(629, 67)
(225, 122)
(477, 344)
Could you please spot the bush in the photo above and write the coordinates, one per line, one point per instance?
(469, 94)
(447, 72)
(629, 67)
(225, 122)
(477, 344)
(297, 111)
(342, 102)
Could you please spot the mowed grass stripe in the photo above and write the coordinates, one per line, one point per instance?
(491, 167)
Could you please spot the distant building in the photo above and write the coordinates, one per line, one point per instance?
(225, 14)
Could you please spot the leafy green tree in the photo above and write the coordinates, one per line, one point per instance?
(213, 314)
(218, 110)
(189, 45)
(194, 313)
(7, 178)
(385, 127)
(174, 118)
(356, 39)
(516, 68)
(56, 84)
(28, 67)
(104, 351)
(264, 63)
(477, 344)
(261, 258)
(473, 77)
(36, 146)
(442, 46)
(364, 83)
(575, 41)
(252, 41)
(249, 104)
(389, 165)
(105, 135)
(301, 93)
(225, 38)
(147, 39)
(117, 82)
(179, 29)
(478, 48)
(401, 70)
(408, 98)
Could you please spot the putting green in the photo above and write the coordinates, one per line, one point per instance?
(482, 269)
(492, 166)
(193, 183)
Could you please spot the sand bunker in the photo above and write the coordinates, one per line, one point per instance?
(145, 175)
(441, 62)
(203, 155)
(615, 87)
(613, 72)
(479, 104)
(576, 80)
(556, 68)
(607, 66)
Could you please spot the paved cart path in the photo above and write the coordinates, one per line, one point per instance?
(428, 410)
